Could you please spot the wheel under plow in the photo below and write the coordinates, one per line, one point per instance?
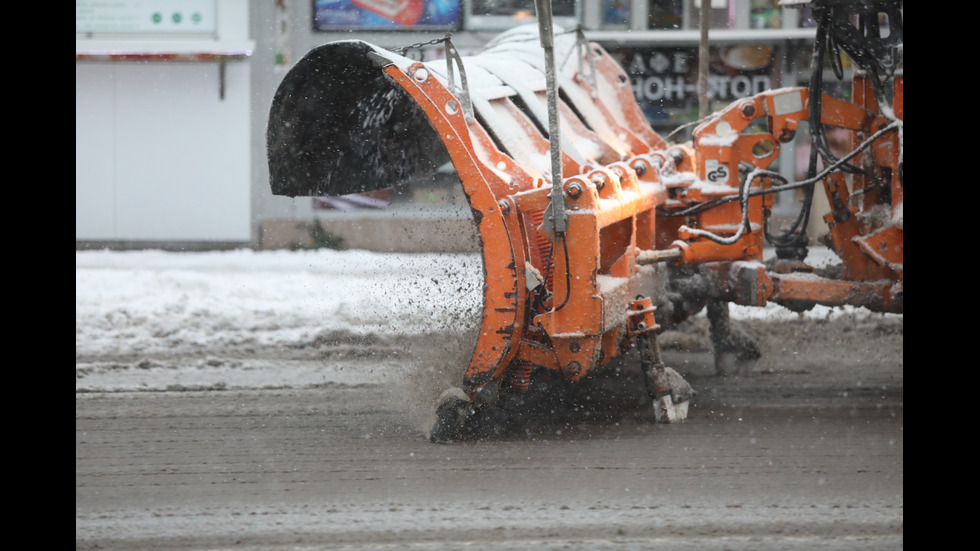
(596, 232)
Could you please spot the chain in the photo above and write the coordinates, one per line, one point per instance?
(417, 45)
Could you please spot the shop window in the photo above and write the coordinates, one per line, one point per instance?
(766, 14)
(615, 13)
(722, 14)
(502, 14)
(666, 14)
(806, 18)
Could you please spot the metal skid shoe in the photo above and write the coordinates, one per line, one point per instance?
(459, 418)
(670, 392)
(453, 412)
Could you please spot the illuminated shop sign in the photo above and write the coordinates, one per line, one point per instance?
(386, 14)
(665, 79)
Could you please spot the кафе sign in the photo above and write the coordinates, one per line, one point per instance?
(665, 79)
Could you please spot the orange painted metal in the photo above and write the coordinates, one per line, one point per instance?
(569, 301)
(593, 268)
(579, 316)
(877, 295)
(503, 254)
(861, 229)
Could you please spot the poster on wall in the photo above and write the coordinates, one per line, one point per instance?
(329, 15)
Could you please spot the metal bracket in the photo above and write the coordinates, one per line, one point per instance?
(452, 56)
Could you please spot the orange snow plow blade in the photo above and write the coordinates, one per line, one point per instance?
(351, 117)
(635, 232)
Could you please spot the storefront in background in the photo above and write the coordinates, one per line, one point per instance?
(480, 15)
(665, 79)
